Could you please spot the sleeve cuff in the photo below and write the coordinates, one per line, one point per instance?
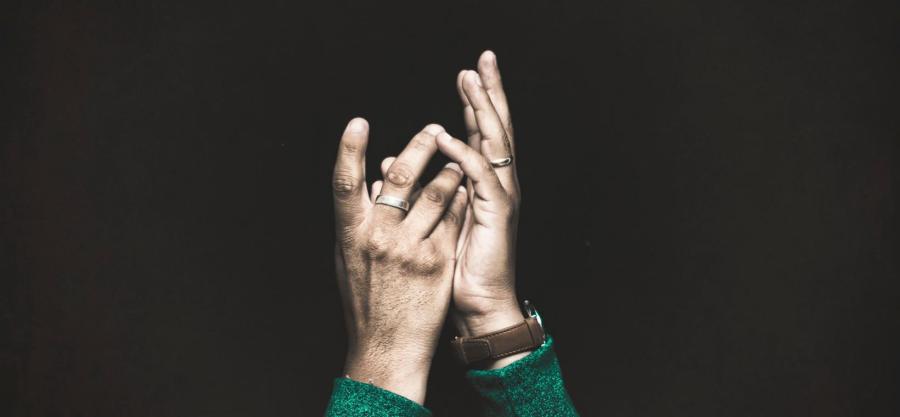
(531, 386)
(353, 398)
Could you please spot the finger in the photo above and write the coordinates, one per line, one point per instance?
(494, 143)
(349, 177)
(472, 132)
(490, 76)
(401, 177)
(376, 189)
(480, 172)
(448, 229)
(466, 227)
(385, 165)
(428, 210)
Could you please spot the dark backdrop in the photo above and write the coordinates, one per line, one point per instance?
(708, 222)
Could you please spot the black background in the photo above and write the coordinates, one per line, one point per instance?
(708, 221)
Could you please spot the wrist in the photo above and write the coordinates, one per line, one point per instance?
(499, 315)
(505, 315)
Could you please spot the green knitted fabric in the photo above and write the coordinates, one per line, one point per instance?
(531, 386)
(352, 399)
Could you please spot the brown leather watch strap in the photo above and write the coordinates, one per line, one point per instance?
(525, 336)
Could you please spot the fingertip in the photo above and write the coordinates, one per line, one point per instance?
(357, 125)
(488, 58)
(444, 138)
(352, 148)
(460, 198)
(454, 166)
(461, 76)
(433, 129)
(386, 164)
(472, 79)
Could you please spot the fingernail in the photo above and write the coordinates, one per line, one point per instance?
(357, 125)
(454, 166)
(434, 129)
(478, 79)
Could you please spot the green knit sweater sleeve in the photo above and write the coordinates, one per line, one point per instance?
(531, 386)
(354, 399)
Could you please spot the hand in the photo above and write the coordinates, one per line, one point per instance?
(394, 268)
(484, 295)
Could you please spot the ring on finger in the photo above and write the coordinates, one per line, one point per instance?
(502, 162)
(392, 201)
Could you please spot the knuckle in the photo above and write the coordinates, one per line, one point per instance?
(378, 246)
(422, 142)
(434, 195)
(430, 266)
(428, 262)
(344, 183)
(400, 175)
(452, 217)
(494, 135)
(350, 148)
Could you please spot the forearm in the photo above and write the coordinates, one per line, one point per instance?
(383, 380)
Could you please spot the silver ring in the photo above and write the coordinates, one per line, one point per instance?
(500, 163)
(392, 201)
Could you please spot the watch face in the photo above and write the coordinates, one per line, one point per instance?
(532, 312)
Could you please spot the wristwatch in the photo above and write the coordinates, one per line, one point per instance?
(522, 337)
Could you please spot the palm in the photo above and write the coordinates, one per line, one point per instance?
(485, 268)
